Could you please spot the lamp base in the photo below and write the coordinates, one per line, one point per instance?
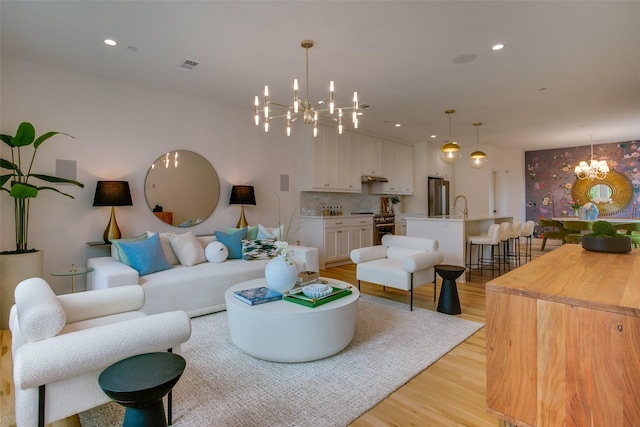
(112, 231)
(242, 222)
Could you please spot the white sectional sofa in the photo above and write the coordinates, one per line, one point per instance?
(198, 289)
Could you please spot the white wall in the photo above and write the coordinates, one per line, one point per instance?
(119, 131)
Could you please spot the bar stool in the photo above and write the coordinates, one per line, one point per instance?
(491, 239)
(513, 246)
(505, 235)
(527, 233)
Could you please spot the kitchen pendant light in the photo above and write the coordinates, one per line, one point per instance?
(450, 151)
(477, 159)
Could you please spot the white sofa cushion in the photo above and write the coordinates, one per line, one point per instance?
(216, 252)
(40, 316)
(187, 248)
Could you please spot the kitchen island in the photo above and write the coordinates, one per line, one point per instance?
(451, 232)
(562, 340)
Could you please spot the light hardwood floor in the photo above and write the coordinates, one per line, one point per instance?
(451, 392)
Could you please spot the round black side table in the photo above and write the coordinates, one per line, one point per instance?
(139, 383)
(449, 303)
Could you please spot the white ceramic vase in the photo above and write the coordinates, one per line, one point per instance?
(281, 273)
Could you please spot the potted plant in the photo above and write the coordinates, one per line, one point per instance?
(23, 262)
(605, 238)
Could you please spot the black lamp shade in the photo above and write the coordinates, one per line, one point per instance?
(112, 193)
(242, 195)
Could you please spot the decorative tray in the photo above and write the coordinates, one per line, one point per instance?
(296, 295)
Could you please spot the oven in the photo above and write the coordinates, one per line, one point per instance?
(383, 224)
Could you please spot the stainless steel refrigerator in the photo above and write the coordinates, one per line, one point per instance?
(438, 197)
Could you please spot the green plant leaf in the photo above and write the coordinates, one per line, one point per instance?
(24, 135)
(6, 164)
(56, 179)
(4, 179)
(56, 190)
(44, 137)
(7, 140)
(22, 191)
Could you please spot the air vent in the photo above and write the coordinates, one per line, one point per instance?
(187, 65)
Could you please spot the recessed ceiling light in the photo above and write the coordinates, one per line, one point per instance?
(398, 125)
(110, 42)
(498, 46)
(433, 136)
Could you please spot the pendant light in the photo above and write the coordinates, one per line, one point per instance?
(450, 151)
(477, 159)
(594, 169)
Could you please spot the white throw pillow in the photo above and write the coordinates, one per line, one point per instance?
(216, 252)
(166, 247)
(269, 233)
(187, 248)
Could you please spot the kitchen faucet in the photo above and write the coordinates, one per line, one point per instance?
(465, 211)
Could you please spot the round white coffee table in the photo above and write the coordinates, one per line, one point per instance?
(284, 331)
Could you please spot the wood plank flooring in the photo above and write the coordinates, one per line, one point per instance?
(451, 392)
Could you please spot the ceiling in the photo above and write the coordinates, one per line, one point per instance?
(568, 69)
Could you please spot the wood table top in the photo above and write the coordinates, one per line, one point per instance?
(572, 275)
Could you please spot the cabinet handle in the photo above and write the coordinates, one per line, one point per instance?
(326, 185)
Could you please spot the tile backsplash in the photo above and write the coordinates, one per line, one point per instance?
(313, 203)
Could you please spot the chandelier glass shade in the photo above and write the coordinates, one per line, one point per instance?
(303, 108)
(450, 151)
(477, 159)
(595, 169)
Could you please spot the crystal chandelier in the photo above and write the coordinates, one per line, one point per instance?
(450, 151)
(303, 108)
(477, 159)
(595, 169)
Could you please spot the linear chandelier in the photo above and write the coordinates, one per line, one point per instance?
(303, 108)
(596, 169)
(450, 151)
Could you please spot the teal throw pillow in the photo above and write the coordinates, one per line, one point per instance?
(118, 245)
(232, 241)
(146, 256)
(252, 231)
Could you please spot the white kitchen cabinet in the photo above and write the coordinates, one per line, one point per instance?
(398, 167)
(435, 165)
(327, 162)
(336, 237)
(371, 155)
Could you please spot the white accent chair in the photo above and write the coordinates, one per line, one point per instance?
(400, 262)
(61, 344)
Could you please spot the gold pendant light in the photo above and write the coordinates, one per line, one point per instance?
(477, 159)
(450, 151)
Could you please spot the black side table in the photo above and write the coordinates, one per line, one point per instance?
(139, 383)
(449, 303)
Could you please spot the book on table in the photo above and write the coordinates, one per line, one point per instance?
(255, 296)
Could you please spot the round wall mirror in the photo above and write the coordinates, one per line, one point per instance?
(182, 188)
(615, 187)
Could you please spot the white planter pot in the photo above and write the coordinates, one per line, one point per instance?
(14, 268)
(281, 274)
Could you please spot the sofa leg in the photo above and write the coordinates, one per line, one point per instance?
(411, 298)
(358, 284)
(41, 405)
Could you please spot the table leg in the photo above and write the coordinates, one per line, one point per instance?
(449, 303)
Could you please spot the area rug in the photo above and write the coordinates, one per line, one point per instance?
(222, 386)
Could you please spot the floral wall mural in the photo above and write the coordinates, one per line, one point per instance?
(550, 177)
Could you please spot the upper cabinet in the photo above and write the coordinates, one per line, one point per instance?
(331, 162)
(435, 165)
(397, 167)
(371, 155)
(335, 163)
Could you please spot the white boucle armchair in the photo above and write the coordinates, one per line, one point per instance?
(400, 262)
(61, 344)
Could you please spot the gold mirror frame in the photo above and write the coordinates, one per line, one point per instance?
(621, 192)
(187, 190)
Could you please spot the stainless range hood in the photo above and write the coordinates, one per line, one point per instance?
(373, 178)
